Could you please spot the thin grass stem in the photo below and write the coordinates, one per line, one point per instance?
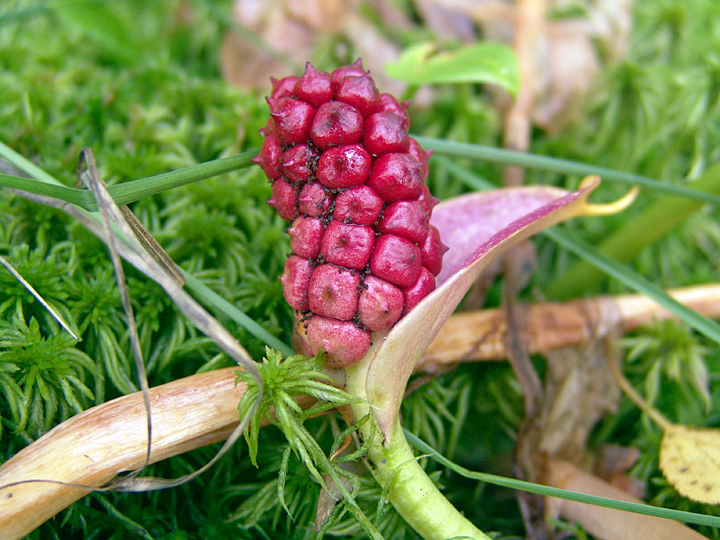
(533, 161)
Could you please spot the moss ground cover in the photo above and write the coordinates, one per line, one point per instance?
(140, 84)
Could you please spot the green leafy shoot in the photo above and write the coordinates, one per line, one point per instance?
(670, 350)
(285, 379)
(426, 63)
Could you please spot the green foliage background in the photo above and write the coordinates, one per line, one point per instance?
(142, 88)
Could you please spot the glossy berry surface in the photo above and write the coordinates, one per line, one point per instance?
(351, 182)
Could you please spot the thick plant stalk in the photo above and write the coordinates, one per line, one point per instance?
(94, 446)
(395, 467)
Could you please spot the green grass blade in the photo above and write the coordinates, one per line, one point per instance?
(532, 161)
(624, 244)
(638, 283)
(42, 183)
(219, 304)
(26, 165)
(132, 191)
(679, 515)
(470, 179)
(63, 193)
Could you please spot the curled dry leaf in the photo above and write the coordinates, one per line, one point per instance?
(690, 460)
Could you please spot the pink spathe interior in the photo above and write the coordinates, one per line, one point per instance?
(497, 221)
(467, 222)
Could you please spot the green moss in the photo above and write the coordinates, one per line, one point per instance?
(147, 96)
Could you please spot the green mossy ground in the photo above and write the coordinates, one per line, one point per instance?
(145, 93)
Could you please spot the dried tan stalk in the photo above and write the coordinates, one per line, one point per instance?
(480, 335)
(96, 445)
(93, 447)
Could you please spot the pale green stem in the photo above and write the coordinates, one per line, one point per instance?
(411, 492)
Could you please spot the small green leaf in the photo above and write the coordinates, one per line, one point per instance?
(426, 63)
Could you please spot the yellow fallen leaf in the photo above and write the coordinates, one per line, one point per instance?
(690, 460)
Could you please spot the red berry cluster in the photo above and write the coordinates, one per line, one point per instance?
(352, 182)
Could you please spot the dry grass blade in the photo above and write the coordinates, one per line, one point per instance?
(201, 318)
(92, 179)
(37, 296)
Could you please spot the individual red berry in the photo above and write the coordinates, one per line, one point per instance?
(269, 157)
(314, 86)
(333, 292)
(283, 87)
(360, 92)
(427, 200)
(384, 134)
(407, 219)
(292, 120)
(424, 285)
(284, 199)
(396, 177)
(296, 281)
(388, 103)
(314, 201)
(336, 124)
(423, 157)
(380, 305)
(432, 250)
(347, 245)
(299, 163)
(396, 259)
(353, 70)
(306, 235)
(359, 205)
(342, 341)
(344, 166)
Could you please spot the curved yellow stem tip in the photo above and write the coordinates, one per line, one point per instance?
(606, 209)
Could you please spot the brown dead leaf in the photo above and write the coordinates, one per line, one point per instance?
(247, 65)
(690, 460)
(288, 31)
(565, 50)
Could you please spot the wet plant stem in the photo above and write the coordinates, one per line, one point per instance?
(410, 490)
